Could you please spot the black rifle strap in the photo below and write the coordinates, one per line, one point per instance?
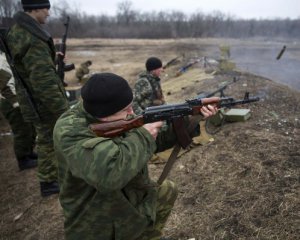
(194, 121)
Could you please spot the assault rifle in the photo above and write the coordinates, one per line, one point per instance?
(211, 94)
(185, 68)
(24, 93)
(172, 61)
(219, 90)
(169, 112)
(61, 66)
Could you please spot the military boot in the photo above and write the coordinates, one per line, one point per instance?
(27, 162)
(49, 188)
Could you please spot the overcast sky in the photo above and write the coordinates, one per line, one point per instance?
(238, 8)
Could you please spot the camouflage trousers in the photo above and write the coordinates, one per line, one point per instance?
(167, 194)
(23, 132)
(47, 162)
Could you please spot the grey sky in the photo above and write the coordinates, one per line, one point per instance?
(238, 8)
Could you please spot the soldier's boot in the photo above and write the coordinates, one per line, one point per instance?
(49, 188)
(27, 162)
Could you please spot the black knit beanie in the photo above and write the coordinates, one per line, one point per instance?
(105, 94)
(35, 4)
(153, 63)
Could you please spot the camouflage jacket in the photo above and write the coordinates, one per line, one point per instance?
(82, 70)
(147, 92)
(7, 83)
(33, 53)
(105, 189)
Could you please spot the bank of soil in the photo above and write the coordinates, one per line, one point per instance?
(242, 185)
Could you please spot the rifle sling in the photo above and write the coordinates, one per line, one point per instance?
(194, 121)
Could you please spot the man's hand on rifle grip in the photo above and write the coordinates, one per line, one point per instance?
(209, 110)
(153, 128)
(62, 55)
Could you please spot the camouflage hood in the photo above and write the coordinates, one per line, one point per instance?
(32, 26)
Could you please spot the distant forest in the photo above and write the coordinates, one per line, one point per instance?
(129, 23)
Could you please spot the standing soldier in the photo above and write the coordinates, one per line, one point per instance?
(23, 132)
(82, 73)
(147, 89)
(33, 53)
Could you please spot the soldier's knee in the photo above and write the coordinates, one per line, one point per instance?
(168, 191)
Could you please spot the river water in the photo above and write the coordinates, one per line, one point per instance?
(260, 58)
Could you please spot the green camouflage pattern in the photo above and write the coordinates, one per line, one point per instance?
(47, 161)
(7, 88)
(4, 77)
(167, 194)
(105, 189)
(23, 132)
(7, 84)
(147, 92)
(81, 71)
(33, 52)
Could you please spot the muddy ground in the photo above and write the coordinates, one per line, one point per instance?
(243, 184)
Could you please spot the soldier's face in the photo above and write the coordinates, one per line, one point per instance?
(41, 15)
(157, 72)
(121, 115)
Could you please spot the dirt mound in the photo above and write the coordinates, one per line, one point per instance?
(245, 184)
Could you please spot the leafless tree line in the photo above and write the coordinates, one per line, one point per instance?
(128, 23)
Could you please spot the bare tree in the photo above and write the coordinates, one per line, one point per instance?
(125, 13)
(128, 23)
(7, 9)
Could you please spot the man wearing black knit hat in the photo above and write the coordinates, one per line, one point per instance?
(106, 192)
(147, 89)
(33, 53)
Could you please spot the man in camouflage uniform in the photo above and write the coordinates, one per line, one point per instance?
(147, 90)
(106, 192)
(23, 132)
(83, 71)
(34, 54)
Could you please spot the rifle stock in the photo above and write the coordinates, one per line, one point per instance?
(168, 112)
(116, 128)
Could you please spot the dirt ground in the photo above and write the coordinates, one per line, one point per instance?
(243, 184)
